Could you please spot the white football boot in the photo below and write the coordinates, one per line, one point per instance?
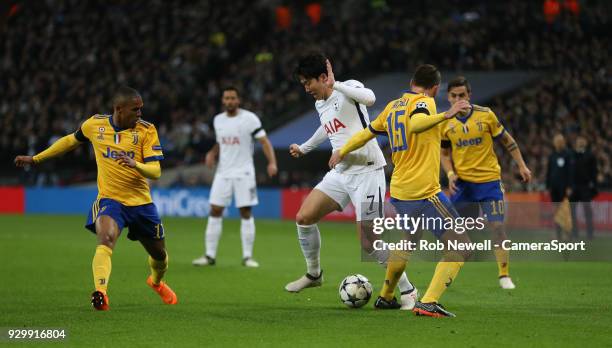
(249, 262)
(306, 281)
(506, 283)
(204, 261)
(408, 299)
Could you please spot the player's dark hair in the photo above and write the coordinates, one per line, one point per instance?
(426, 76)
(458, 82)
(124, 93)
(310, 66)
(231, 88)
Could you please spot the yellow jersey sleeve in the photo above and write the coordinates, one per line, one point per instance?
(151, 147)
(444, 132)
(378, 125)
(84, 132)
(495, 127)
(423, 105)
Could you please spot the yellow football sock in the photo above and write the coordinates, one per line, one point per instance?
(101, 266)
(503, 262)
(158, 269)
(445, 273)
(396, 264)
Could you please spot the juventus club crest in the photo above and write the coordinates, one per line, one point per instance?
(101, 133)
(134, 138)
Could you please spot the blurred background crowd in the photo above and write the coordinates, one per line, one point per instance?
(60, 61)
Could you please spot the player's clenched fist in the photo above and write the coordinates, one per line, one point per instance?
(126, 161)
(294, 150)
(460, 107)
(272, 169)
(22, 161)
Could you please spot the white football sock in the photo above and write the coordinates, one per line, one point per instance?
(213, 234)
(247, 234)
(381, 256)
(310, 242)
(404, 284)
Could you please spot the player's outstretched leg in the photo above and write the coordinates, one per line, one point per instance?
(107, 232)
(310, 242)
(158, 262)
(314, 207)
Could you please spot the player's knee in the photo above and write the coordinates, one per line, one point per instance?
(304, 219)
(158, 255)
(245, 213)
(216, 211)
(499, 233)
(107, 239)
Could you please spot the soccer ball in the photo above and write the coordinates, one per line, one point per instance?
(355, 291)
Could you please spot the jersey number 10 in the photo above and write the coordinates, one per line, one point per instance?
(397, 131)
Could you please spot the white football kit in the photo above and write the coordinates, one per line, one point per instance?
(235, 173)
(360, 177)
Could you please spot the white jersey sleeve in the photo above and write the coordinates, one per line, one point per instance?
(254, 124)
(315, 140)
(355, 90)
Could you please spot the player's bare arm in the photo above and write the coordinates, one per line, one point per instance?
(270, 156)
(58, 148)
(512, 147)
(447, 165)
(211, 156)
(22, 161)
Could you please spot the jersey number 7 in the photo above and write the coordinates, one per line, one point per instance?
(397, 131)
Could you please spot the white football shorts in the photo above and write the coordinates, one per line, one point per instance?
(244, 191)
(365, 190)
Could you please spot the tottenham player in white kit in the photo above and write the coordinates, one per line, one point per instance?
(235, 130)
(359, 178)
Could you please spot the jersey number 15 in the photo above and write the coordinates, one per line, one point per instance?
(397, 131)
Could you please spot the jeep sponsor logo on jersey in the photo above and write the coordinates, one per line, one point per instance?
(468, 142)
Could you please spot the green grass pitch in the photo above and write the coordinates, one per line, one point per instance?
(45, 281)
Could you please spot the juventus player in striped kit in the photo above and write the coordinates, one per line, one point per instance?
(359, 178)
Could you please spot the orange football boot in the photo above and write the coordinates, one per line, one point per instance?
(164, 291)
